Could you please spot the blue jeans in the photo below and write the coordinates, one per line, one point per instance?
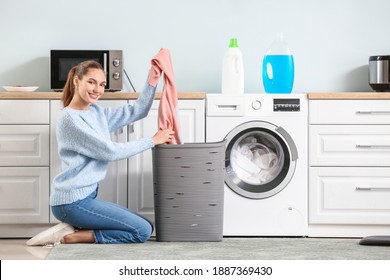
(110, 222)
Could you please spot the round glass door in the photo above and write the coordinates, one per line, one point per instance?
(260, 159)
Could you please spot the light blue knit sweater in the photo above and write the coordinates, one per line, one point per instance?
(85, 146)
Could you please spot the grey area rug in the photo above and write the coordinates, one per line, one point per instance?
(228, 249)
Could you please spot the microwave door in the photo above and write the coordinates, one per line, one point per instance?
(63, 60)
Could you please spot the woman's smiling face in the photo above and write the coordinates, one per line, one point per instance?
(89, 88)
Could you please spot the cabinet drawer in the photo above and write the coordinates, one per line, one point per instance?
(24, 195)
(24, 112)
(24, 145)
(349, 145)
(349, 112)
(349, 195)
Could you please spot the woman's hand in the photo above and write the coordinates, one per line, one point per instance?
(163, 136)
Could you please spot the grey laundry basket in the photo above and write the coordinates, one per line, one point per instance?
(188, 191)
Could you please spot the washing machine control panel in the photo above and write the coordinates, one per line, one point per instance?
(287, 105)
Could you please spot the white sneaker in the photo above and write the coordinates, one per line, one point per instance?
(51, 236)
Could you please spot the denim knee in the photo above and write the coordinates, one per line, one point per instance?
(144, 233)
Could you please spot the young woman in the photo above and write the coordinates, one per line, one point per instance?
(85, 149)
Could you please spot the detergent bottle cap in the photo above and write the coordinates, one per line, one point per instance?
(279, 46)
(233, 43)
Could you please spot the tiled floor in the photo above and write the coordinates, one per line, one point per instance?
(16, 249)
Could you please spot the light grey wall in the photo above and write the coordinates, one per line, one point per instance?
(331, 40)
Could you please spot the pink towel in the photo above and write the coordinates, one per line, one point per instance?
(167, 119)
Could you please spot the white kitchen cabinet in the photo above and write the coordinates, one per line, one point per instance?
(349, 112)
(349, 168)
(191, 115)
(350, 145)
(24, 195)
(24, 145)
(350, 195)
(24, 111)
(24, 165)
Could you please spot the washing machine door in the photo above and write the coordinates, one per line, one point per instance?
(260, 159)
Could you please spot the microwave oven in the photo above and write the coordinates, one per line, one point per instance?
(61, 61)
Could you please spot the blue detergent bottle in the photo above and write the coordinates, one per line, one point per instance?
(278, 67)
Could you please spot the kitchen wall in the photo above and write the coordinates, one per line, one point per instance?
(331, 40)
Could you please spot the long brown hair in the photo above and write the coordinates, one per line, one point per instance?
(79, 70)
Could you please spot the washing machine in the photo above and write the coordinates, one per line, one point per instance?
(266, 162)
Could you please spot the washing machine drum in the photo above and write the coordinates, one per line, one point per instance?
(260, 159)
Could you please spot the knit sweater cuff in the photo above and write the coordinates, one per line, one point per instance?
(148, 143)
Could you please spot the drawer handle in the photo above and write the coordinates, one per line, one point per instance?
(371, 189)
(131, 128)
(373, 112)
(372, 146)
(222, 107)
(119, 131)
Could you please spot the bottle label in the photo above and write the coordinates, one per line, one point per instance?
(278, 73)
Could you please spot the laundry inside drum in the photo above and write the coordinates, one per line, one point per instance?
(257, 158)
